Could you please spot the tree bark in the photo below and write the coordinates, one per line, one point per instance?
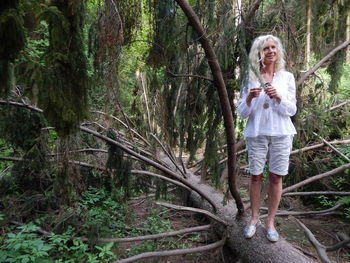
(308, 32)
(255, 250)
(224, 101)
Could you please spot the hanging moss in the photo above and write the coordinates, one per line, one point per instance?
(118, 167)
(166, 28)
(12, 41)
(130, 12)
(23, 132)
(63, 82)
(336, 69)
(26, 138)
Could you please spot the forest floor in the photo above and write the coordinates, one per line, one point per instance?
(324, 228)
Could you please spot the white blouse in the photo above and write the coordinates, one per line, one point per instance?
(266, 116)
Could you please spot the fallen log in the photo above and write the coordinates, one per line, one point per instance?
(255, 250)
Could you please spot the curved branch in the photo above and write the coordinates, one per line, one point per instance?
(322, 61)
(251, 12)
(156, 236)
(301, 213)
(316, 177)
(196, 210)
(124, 124)
(187, 76)
(224, 101)
(87, 165)
(333, 148)
(339, 105)
(318, 193)
(338, 245)
(175, 252)
(162, 178)
(28, 106)
(169, 155)
(318, 146)
(12, 159)
(321, 249)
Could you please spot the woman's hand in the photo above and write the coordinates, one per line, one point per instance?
(272, 93)
(253, 93)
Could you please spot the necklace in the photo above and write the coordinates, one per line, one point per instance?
(266, 104)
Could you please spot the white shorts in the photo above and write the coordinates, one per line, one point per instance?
(276, 148)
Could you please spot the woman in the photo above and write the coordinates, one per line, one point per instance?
(268, 101)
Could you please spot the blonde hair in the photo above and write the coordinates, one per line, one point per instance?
(256, 56)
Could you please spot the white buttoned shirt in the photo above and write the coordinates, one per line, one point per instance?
(265, 115)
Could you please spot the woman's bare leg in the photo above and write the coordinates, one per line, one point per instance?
(255, 188)
(274, 196)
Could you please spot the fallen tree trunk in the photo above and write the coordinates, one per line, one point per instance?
(255, 250)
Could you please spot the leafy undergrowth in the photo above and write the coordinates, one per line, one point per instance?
(99, 215)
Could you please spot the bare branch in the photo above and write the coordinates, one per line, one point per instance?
(161, 177)
(318, 146)
(316, 177)
(191, 209)
(169, 155)
(342, 236)
(87, 165)
(251, 12)
(23, 105)
(187, 76)
(156, 236)
(125, 125)
(12, 159)
(321, 249)
(80, 151)
(339, 105)
(301, 213)
(322, 61)
(318, 193)
(175, 252)
(338, 245)
(333, 148)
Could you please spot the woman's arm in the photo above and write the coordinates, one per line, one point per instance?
(286, 104)
(245, 103)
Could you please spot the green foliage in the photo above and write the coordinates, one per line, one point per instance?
(103, 214)
(25, 246)
(33, 53)
(71, 250)
(156, 224)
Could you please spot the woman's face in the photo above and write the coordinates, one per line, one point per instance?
(270, 52)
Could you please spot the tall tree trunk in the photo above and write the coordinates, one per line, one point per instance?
(225, 103)
(348, 36)
(308, 32)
